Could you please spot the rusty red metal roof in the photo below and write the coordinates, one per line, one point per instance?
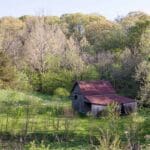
(101, 93)
(108, 99)
(96, 87)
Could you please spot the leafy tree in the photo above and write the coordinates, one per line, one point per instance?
(49, 51)
(7, 71)
(143, 76)
(96, 32)
(131, 19)
(52, 20)
(135, 34)
(42, 40)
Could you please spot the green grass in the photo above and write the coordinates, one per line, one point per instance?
(43, 117)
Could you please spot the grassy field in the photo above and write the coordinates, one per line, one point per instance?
(28, 121)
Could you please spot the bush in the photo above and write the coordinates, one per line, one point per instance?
(51, 80)
(143, 76)
(62, 92)
(34, 146)
(7, 72)
(145, 94)
(22, 83)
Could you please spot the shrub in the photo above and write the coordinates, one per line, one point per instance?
(62, 92)
(34, 146)
(133, 131)
(143, 76)
(145, 94)
(108, 140)
(22, 82)
(7, 72)
(51, 80)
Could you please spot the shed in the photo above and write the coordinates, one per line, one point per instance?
(94, 96)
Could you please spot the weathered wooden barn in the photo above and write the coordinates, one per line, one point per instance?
(94, 96)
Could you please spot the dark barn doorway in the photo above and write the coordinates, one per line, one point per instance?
(87, 106)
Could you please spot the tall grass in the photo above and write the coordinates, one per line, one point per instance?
(26, 118)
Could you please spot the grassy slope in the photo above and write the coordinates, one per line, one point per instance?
(13, 120)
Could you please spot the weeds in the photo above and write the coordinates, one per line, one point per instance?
(25, 118)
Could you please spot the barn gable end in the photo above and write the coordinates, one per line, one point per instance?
(78, 100)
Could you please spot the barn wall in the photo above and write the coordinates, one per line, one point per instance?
(78, 100)
(130, 107)
(96, 109)
(76, 90)
(80, 105)
(87, 107)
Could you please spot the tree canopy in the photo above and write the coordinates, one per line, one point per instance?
(44, 53)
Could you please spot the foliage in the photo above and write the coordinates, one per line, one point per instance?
(142, 75)
(134, 35)
(91, 73)
(7, 72)
(22, 83)
(62, 92)
(108, 140)
(133, 131)
(41, 146)
(46, 54)
(42, 53)
(26, 118)
(109, 137)
(55, 79)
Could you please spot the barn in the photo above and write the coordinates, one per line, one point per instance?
(94, 96)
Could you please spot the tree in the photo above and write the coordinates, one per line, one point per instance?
(48, 51)
(7, 72)
(143, 76)
(96, 32)
(41, 41)
(135, 34)
(131, 19)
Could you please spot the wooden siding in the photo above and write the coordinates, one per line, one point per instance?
(97, 108)
(78, 101)
(130, 107)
